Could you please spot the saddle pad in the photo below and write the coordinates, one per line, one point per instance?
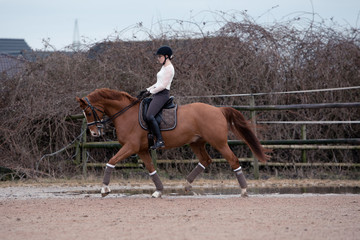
(167, 117)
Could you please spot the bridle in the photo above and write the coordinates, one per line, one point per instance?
(99, 123)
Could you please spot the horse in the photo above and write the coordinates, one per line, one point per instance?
(197, 124)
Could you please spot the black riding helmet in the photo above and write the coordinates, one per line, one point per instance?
(165, 51)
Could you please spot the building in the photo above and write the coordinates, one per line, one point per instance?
(12, 56)
(13, 47)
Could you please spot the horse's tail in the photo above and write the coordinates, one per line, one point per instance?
(241, 128)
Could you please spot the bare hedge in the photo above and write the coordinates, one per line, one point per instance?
(240, 57)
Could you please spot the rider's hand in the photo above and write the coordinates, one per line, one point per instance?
(143, 94)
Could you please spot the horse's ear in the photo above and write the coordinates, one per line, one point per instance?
(81, 102)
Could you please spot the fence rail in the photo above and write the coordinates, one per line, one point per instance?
(296, 106)
(273, 143)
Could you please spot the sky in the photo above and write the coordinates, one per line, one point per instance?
(54, 20)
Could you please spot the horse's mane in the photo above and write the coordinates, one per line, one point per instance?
(105, 93)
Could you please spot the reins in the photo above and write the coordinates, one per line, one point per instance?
(97, 119)
(121, 111)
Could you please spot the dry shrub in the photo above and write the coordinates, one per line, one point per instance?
(240, 57)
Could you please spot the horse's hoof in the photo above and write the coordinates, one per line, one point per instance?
(105, 191)
(244, 193)
(156, 194)
(188, 187)
(104, 194)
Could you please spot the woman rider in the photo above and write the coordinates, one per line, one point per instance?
(160, 91)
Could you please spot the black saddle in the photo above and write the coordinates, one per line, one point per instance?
(166, 117)
(168, 105)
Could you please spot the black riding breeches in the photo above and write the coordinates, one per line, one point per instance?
(158, 101)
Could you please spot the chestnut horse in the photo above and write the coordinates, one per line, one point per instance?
(197, 124)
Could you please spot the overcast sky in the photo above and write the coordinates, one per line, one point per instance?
(35, 20)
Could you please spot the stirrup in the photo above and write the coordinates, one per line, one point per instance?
(157, 145)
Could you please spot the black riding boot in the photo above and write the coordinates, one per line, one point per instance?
(154, 126)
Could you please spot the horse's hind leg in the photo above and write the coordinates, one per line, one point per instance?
(145, 156)
(204, 161)
(235, 165)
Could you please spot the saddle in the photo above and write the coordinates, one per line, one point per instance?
(166, 118)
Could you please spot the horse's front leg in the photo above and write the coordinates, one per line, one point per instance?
(123, 153)
(145, 156)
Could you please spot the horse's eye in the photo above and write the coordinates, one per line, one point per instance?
(87, 113)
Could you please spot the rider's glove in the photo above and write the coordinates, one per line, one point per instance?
(143, 94)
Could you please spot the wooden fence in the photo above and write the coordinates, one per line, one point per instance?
(303, 144)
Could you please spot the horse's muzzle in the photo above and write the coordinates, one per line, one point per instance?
(97, 131)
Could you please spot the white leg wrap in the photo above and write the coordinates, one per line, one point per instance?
(201, 165)
(238, 169)
(109, 165)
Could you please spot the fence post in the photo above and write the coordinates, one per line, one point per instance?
(83, 149)
(253, 120)
(78, 152)
(303, 137)
(154, 157)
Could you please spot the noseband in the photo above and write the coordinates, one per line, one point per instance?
(99, 123)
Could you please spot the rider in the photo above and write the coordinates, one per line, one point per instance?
(160, 91)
